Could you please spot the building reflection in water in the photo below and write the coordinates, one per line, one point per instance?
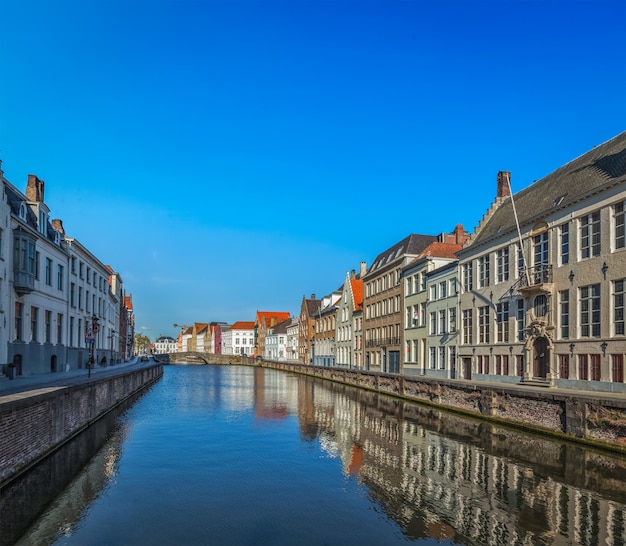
(436, 474)
(446, 477)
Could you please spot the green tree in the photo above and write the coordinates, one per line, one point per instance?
(142, 344)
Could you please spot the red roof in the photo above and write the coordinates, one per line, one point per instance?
(243, 325)
(357, 292)
(440, 250)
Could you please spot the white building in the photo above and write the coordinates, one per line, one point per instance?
(276, 341)
(60, 297)
(441, 287)
(239, 339)
(165, 345)
(293, 333)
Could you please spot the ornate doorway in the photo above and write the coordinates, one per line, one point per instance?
(541, 357)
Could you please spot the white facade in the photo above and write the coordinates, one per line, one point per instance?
(238, 339)
(441, 287)
(276, 342)
(293, 332)
(165, 344)
(46, 315)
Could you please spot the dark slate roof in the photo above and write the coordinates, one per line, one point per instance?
(412, 245)
(15, 199)
(600, 168)
(313, 306)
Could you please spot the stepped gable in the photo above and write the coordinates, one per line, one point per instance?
(602, 167)
(357, 293)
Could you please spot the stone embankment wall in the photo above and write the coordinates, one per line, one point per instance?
(589, 418)
(35, 423)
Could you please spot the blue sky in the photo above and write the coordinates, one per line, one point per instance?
(223, 155)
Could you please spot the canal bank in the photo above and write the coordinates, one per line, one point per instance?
(596, 419)
(44, 413)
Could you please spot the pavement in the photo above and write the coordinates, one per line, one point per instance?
(25, 385)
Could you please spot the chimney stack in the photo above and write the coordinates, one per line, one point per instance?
(34, 189)
(504, 187)
(58, 225)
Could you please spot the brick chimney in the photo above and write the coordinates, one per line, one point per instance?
(504, 188)
(363, 269)
(58, 225)
(34, 189)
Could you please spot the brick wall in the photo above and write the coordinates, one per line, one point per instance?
(32, 426)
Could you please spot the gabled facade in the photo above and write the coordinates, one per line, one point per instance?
(292, 339)
(349, 352)
(323, 347)
(442, 310)
(263, 322)
(309, 308)
(546, 304)
(238, 339)
(416, 297)
(276, 341)
(382, 304)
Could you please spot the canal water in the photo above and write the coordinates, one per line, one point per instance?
(247, 456)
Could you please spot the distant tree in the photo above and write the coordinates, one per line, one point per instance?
(142, 343)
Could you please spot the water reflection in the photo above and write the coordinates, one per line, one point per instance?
(434, 475)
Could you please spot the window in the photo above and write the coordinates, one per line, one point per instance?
(483, 324)
(618, 307)
(80, 297)
(468, 333)
(590, 311)
(24, 255)
(452, 319)
(59, 328)
(520, 320)
(564, 313)
(442, 358)
(564, 366)
(541, 305)
(433, 358)
(564, 235)
(71, 339)
(433, 324)
(442, 322)
(443, 289)
(590, 235)
(19, 312)
(60, 277)
(618, 220)
(73, 265)
(48, 325)
(521, 264)
(48, 271)
(433, 292)
(503, 264)
(483, 271)
(502, 319)
(540, 247)
(81, 266)
(468, 282)
(498, 364)
(34, 312)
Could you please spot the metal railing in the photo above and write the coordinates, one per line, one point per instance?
(532, 276)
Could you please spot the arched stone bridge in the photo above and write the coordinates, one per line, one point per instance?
(204, 358)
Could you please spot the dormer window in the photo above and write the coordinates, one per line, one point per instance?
(22, 211)
(43, 222)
